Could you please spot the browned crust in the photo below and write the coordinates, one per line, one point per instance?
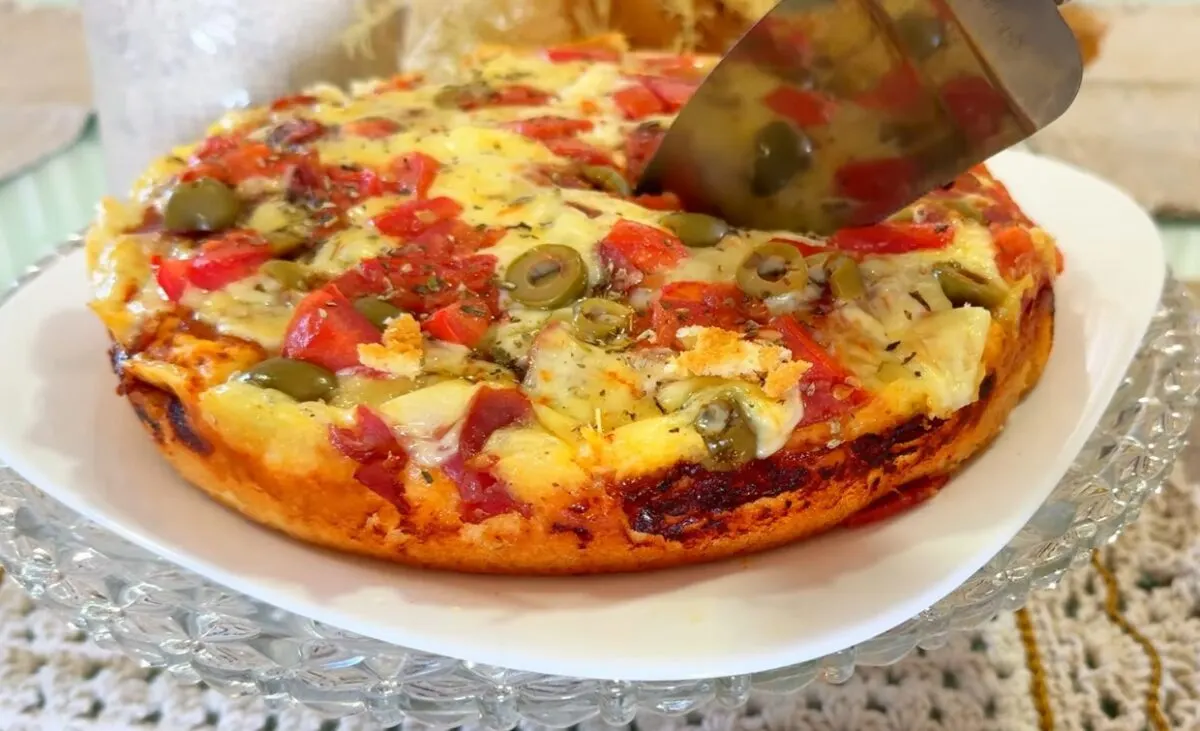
(684, 516)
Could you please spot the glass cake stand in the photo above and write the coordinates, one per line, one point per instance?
(128, 599)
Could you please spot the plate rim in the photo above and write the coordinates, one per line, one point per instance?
(335, 619)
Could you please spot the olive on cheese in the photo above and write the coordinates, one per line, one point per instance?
(696, 230)
(845, 279)
(964, 287)
(602, 322)
(771, 269)
(379, 311)
(296, 378)
(780, 153)
(547, 277)
(201, 206)
(607, 178)
(727, 433)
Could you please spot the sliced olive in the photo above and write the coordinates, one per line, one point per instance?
(547, 277)
(462, 96)
(609, 179)
(964, 287)
(923, 35)
(727, 433)
(780, 153)
(602, 322)
(355, 390)
(202, 205)
(771, 269)
(696, 229)
(377, 310)
(845, 280)
(302, 381)
(289, 274)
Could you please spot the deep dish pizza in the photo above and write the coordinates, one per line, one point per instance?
(433, 324)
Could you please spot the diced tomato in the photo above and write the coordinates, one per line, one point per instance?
(636, 102)
(578, 150)
(373, 128)
(659, 202)
(899, 91)
(491, 409)
(296, 100)
(172, 276)
(672, 92)
(883, 179)
(349, 185)
(701, 303)
(632, 245)
(232, 256)
(892, 504)
(326, 330)
(427, 274)
(253, 160)
(892, 238)
(640, 146)
(295, 132)
(216, 146)
(582, 52)
(410, 219)
(550, 127)
(415, 173)
(806, 108)
(368, 438)
(978, 108)
(824, 389)
(464, 323)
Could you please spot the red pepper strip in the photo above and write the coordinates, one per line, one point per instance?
(372, 128)
(550, 127)
(701, 303)
(410, 219)
(415, 173)
(892, 238)
(892, 504)
(221, 261)
(585, 51)
(632, 245)
(578, 150)
(326, 330)
(636, 102)
(823, 389)
(640, 146)
(808, 109)
(464, 323)
(672, 92)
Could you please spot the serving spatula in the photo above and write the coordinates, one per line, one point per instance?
(835, 113)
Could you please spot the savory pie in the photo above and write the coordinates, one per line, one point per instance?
(433, 324)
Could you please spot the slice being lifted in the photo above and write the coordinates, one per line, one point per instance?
(432, 324)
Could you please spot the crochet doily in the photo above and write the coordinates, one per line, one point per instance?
(1114, 648)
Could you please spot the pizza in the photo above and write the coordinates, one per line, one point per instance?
(433, 323)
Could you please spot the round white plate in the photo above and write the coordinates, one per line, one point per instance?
(65, 430)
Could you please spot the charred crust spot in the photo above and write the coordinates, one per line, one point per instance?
(581, 533)
(181, 427)
(147, 419)
(986, 386)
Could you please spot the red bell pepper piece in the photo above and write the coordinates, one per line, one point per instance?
(415, 173)
(410, 219)
(632, 245)
(806, 108)
(373, 128)
(464, 323)
(636, 102)
(327, 330)
(549, 127)
(892, 238)
(578, 150)
(582, 52)
(172, 276)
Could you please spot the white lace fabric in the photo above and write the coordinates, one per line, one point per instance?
(1091, 659)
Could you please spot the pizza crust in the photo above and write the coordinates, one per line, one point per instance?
(658, 522)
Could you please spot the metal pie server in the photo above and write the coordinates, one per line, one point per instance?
(836, 113)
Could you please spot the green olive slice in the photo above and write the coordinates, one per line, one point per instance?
(602, 322)
(727, 433)
(290, 275)
(780, 153)
(923, 35)
(845, 279)
(771, 269)
(296, 378)
(964, 287)
(608, 178)
(462, 95)
(377, 310)
(547, 277)
(201, 206)
(696, 230)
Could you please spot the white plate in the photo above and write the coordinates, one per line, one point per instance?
(65, 430)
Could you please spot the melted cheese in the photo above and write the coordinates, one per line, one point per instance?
(427, 421)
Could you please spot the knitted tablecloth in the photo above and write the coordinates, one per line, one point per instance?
(1116, 647)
